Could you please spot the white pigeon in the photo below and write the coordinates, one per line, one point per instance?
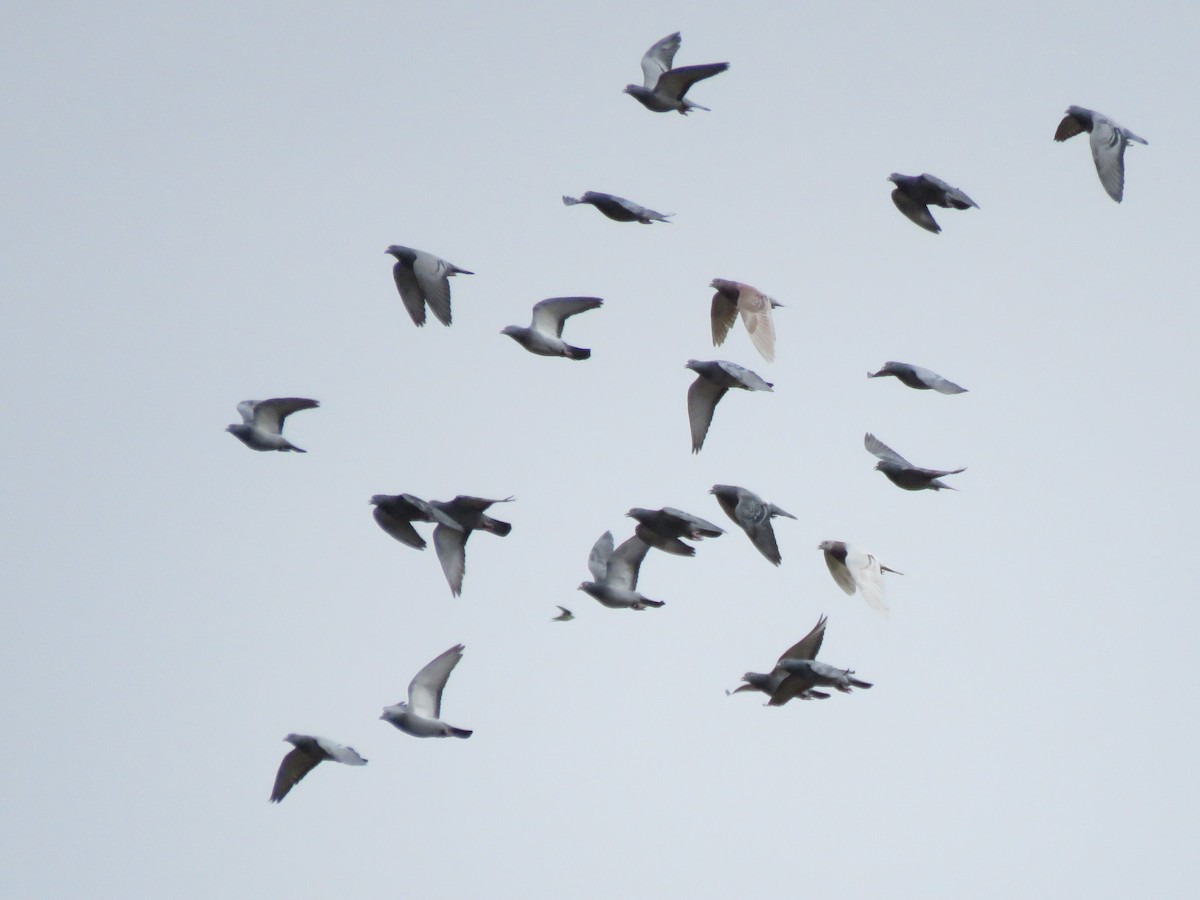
(307, 752)
(664, 86)
(423, 278)
(544, 334)
(262, 422)
(1108, 140)
(854, 569)
(419, 716)
(616, 573)
(733, 297)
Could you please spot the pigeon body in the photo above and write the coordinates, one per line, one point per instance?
(663, 87)
(813, 674)
(914, 194)
(753, 515)
(618, 208)
(856, 570)
(420, 716)
(616, 573)
(732, 298)
(780, 685)
(904, 474)
(307, 752)
(1108, 140)
(917, 377)
(663, 528)
(714, 378)
(262, 422)
(422, 278)
(396, 513)
(451, 543)
(564, 615)
(544, 334)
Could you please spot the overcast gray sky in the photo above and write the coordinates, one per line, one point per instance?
(196, 206)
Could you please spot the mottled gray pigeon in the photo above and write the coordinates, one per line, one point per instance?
(779, 685)
(733, 297)
(420, 715)
(913, 195)
(618, 208)
(663, 528)
(451, 543)
(308, 751)
(904, 474)
(753, 515)
(396, 513)
(665, 87)
(564, 615)
(854, 569)
(716, 376)
(616, 573)
(544, 334)
(423, 278)
(1108, 141)
(917, 377)
(262, 422)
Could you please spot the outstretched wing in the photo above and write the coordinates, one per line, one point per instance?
(659, 59)
(625, 562)
(425, 690)
(549, 315)
(883, 451)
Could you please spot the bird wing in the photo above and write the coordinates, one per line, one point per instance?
(702, 399)
(658, 59)
(410, 290)
(676, 82)
(841, 575)
(1070, 126)
(451, 549)
(425, 690)
(549, 315)
(695, 524)
(340, 752)
(625, 562)
(755, 308)
(723, 315)
(950, 195)
(269, 414)
(401, 529)
(433, 276)
(751, 381)
(937, 382)
(1108, 152)
(868, 576)
(755, 518)
(296, 764)
(602, 552)
(246, 409)
(917, 212)
(883, 451)
(808, 646)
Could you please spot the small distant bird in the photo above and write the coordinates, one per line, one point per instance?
(564, 616)
(753, 515)
(423, 278)
(715, 377)
(262, 422)
(917, 377)
(663, 528)
(904, 474)
(665, 87)
(396, 513)
(779, 685)
(544, 334)
(451, 543)
(420, 715)
(308, 751)
(1108, 141)
(854, 569)
(733, 297)
(913, 195)
(618, 208)
(616, 573)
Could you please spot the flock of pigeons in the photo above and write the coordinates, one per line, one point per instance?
(422, 280)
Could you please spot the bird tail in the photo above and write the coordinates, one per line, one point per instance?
(295, 448)
(646, 601)
(578, 352)
(496, 527)
(570, 201)
(858, 682)
(884, 568)
(455, 270)
(466, 732)
(688, 106)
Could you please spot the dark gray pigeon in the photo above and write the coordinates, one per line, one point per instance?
(262, 422)
(904, 474)
(423, 278)
(309, 751)
(753, 515)
(616, 573)
(779, 685)
(856, 570)
(663, 528)
(1108, 140)
(664, 87)
(451, 543)
(917, 377)
(421, 715)
(915, 193)
(618, 208)
(716, 376)
(544, 334)
(396, 513)
(733, 297)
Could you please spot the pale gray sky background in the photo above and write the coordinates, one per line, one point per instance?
(197, 202)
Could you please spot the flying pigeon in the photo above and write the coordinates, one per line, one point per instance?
(779, 685)
(813, 674)
(914, 194)
(715, 378)
(423, 278)
(665, 87)
(419, 716)
(395, 515)
(733, 297)
(544, 334)
(854, 569)
(618, 208)
(904, 474)
(1108, 141)
(753, 515)
(917, 377)
(663, 528)
(308, 751)
(262, 422)
(565, 615)
(616, 573)
(451, 542)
